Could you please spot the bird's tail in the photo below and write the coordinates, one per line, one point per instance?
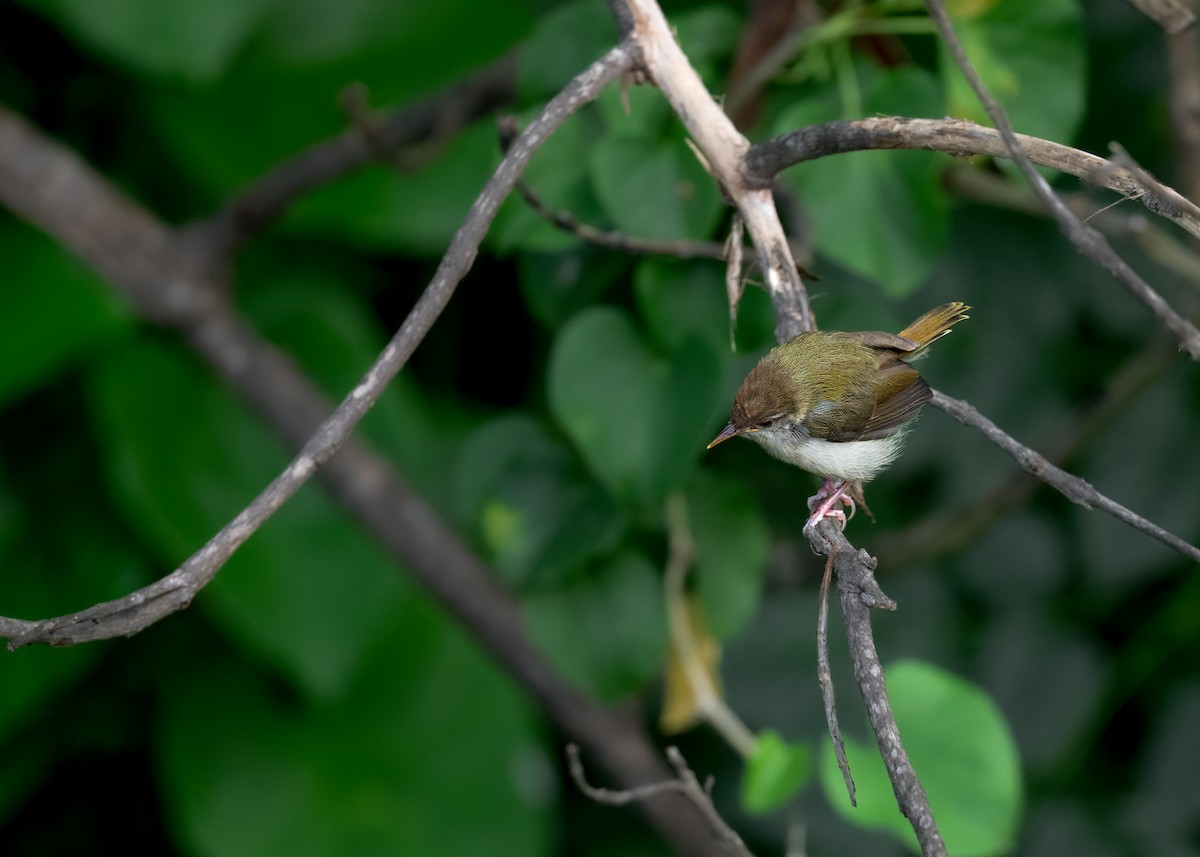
(933, 325)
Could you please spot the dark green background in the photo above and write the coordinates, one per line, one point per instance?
(312, 701)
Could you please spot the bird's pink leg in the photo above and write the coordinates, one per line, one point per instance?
(831, 492)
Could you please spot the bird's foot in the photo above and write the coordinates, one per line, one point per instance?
(833, 492)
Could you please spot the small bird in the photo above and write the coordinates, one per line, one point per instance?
(838, 404)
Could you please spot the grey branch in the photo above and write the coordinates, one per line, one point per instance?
(1086, 239)
(956, 137)
(1072, 487)
(859, 592)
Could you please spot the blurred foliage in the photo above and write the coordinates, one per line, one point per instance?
(314, 701)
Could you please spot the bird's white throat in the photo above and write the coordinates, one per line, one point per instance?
(857, 459)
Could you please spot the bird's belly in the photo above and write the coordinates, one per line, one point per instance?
(856, 459)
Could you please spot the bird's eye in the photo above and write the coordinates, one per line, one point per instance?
(766, 423)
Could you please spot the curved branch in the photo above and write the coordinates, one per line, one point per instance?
(956, 137)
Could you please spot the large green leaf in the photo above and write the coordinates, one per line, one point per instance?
(308, 591)
(528, 502)
(962, 751)
(880, 214)
(638, 420)
(654, 188)
(606, 629)
(1031, 56)
(53, 310)
(376, 770)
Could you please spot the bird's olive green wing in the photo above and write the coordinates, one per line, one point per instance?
(900, 393)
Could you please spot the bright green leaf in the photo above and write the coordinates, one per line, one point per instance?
(606, 630)
(775, 772)
(732, 541)
(961, 749)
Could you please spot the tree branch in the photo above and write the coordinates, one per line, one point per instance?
(167, 278)
(723, 149)
(956, 137)
(1072, 487)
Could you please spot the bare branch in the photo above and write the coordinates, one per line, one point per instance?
(1072, 487)
(955, 137)
(859, 592)
(1086, 239)
(686, 784)
(724, 149)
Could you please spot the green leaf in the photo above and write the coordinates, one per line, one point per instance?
(308, 591)
(775, 772)
(732, 542)
(639, 421)
(606, 630)
(181, 39)
(53, 311)
(1031, 56)
(654, 188)
(963, 753)
(371, 771)
(529, 503)
(880, 214)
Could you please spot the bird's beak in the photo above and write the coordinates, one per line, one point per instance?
(726, 433)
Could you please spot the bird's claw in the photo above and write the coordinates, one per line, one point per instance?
(823, 502)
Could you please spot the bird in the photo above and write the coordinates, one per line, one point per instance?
(838, 404)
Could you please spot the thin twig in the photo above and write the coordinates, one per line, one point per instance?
(709, 704)
(1086, 239)
(1072, 487)
(825, 679)
(687, 785)
(1183, 60)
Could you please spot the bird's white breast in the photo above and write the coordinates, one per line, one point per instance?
(857, 459)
